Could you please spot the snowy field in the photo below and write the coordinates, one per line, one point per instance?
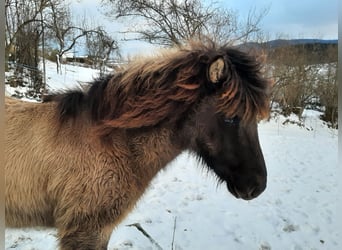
(185, 208)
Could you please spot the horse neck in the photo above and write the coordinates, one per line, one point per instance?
(152, 149)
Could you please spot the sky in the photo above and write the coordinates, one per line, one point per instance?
(293, 18)
(287, 19)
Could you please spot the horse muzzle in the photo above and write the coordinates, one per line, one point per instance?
(247, 192)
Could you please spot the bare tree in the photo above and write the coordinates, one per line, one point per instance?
(171, 22)
(295, 79)
(64, 32)
(305, 77)
(328, 88)
(23, 21)
(225, 27)
(100, 46)
(22, 39)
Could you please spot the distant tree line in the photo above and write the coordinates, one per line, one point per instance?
(305, 77)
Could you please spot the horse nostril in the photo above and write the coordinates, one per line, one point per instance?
(251, 192)
(255, 191)
(248, 194)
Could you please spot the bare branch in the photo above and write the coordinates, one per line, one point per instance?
(139, 227)
(171, 22)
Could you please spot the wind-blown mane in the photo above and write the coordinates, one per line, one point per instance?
(149, 91)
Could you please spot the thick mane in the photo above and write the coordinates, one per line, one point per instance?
(246, 93)
(148, 91)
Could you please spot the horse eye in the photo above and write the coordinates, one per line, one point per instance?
(233, 120)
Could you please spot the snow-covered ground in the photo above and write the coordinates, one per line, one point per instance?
(185, 208)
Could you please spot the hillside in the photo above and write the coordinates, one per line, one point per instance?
(316, 51)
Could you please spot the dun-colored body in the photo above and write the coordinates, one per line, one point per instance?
(64, 177)
(80, 160)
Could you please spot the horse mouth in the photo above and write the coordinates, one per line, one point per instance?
(248, 194)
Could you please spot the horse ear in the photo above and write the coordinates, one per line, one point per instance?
(217, 70)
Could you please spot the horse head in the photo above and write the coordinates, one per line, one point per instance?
(224, 126)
